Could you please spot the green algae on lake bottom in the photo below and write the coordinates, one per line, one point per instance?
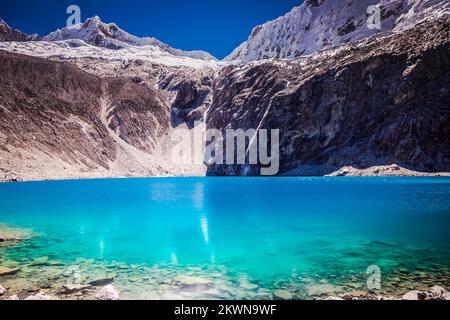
(230, 238)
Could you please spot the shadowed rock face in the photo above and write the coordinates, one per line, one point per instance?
(314, 3)
(381, 102)
(192, 101)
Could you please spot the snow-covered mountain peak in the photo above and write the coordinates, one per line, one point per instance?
(3, 23)
(108, 35)
(322, 24)
(9, 34)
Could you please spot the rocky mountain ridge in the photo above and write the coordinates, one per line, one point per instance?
(9, 34)
(70, 109)
(108, 35)
(323, 24)
(378, 102)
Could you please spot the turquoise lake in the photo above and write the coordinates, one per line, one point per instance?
(245, 237)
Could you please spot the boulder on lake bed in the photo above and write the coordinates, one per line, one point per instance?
(8, 234)
(41, 261)
(4, 271)
(71, 289)
(282, 295)
(193, 284)
(9, 264)
(436, 292)
(107, 293)
(187, 280)
(248, 286)
(101, 282)
(323, 289)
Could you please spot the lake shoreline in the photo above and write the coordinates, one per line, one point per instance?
(106, 289)
(302, 171)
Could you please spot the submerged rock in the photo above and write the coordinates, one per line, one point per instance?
(193, 284)
(434, 293)
(186, 280)
(249, 286)
(101, 282)
(9, 234)
(195, 288)
(10, 264)
(71, 289)
(42, 261)
(322, 289)
(244, 283)
(4, 271)
(282, 295)
(108, 293)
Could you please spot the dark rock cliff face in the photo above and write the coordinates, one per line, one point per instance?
(193, 91)
(191, 101)
(381, 102)
(314, 3)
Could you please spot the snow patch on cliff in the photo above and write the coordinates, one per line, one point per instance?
(77, 49)
(109, 35)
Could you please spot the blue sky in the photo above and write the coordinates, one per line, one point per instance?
(215, 26)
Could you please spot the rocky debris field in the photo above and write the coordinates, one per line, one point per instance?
(44, 278)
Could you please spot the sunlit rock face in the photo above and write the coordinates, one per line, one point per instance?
(66, 119)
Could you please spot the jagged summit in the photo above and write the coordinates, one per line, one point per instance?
(323, 24)
(9, 34)
(2, 22)
(108, 35)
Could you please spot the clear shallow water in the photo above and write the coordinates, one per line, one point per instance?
(309, 236)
